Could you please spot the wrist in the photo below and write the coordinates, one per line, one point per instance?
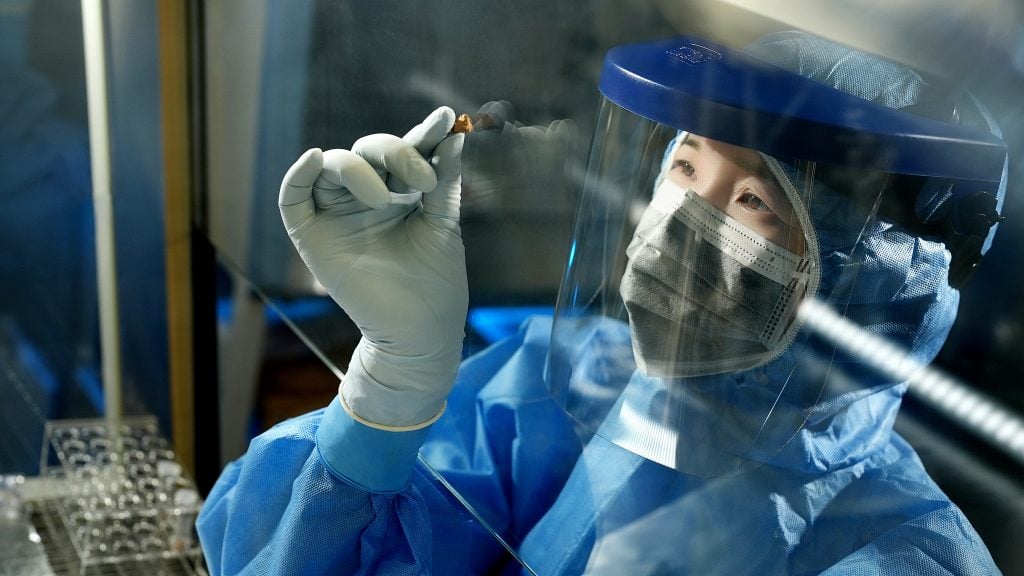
(396, 392)
(369, 458)
(361, 398)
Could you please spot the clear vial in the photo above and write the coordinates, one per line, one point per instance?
(10, 496)
(186, 503)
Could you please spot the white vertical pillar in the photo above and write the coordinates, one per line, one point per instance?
(94, 37)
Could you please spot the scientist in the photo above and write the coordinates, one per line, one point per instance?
(678, 415)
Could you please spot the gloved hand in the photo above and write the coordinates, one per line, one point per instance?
(379, 228)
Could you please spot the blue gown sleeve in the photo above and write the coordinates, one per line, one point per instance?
(283, 508)
(323, 494)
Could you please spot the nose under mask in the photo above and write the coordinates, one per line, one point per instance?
(706, 294)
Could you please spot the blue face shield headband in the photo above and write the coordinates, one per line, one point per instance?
(780, 98)
(662, 359)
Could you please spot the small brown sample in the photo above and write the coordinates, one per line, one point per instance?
(463, 124)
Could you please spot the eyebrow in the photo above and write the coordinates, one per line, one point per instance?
(758, 168)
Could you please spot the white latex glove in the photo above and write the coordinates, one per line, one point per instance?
(379, 228)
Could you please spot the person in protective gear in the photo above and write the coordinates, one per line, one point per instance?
(680, 414)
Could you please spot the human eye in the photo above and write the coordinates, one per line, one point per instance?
(684, 166)
(753, 202)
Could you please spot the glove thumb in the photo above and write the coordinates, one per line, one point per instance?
(444, 201)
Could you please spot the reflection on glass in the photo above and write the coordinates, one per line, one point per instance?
(47, 282)
(521, 181)
(986, 417)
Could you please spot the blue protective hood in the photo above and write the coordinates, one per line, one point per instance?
(895, 86)
(879, 277)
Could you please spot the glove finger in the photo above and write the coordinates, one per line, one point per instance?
(426, 135)
(295, 199)
(398, 158)
(346, 169)
(327, 194)
(443, 203)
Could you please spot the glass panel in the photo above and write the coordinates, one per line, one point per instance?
(138, 177)
(48, 349)
(48, 305)
(285, 77)
(64, 513)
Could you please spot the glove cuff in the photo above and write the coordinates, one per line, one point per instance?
(387, 427)
(392, 392)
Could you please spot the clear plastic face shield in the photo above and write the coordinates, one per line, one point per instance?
(678, 333)
(690, 260)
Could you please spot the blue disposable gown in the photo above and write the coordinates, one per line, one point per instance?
(849, 498)
(323, 494)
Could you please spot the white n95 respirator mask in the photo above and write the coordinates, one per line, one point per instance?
(706, 294)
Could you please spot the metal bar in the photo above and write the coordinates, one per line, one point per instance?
(175, 119)
(206, 402)
(94, 40)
